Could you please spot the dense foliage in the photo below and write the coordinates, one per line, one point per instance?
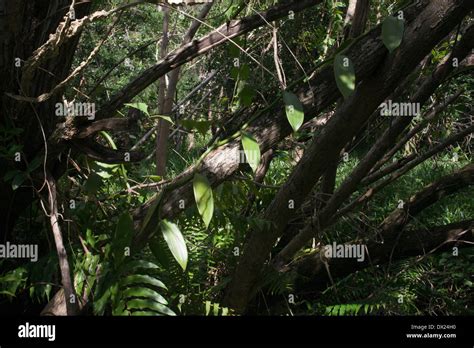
(127, 261)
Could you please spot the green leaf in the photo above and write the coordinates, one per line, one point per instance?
(144, 292)
(144, 314)
(159, 251)
(37, 161)
(11, 174)
(246, 93)
(392, 32)
(294, 110)
(345, 75)
(104, 174)
(234, 72)
(252, 150)
(216, 309)
(204, 198)
(149, 304)
(175, 241)
(244, 72)
(18, 180)
(109, 139)
(201, 126)
(122, 238)
(151, 211)
(93, 183)
(133, 266)
(208, 307)
(155, 178)
(142, 279)
(234, 51)
(166, 118)
(140, 106)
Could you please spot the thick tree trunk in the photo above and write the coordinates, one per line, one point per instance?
(385, 142)
(272, 126)
(433, 23)
(25, 26)
(356, 18)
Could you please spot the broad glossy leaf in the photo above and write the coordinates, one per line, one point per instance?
(345, 75)
(392, 32)
(294, 110)
(204, 198)
(251, 149)
(140, 106)
(175, 241)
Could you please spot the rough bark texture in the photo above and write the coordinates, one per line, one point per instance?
(397, 243)
(356, 18)
(433, 23)
(312, 275)
(198, 47)
(381, 145)
(272, 126)
(26, 25)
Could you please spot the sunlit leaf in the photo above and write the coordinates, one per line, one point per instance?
(204, 198)
(294, 110)
(251, 149)
(175, 241)
(392, 32)
(140, 106)
(166, 118)
(345, 75)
